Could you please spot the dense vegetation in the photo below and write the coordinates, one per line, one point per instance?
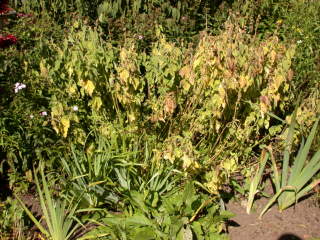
(132, 119)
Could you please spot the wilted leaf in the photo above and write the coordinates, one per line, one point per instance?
(169, 104)
(43, 69)
(89, 87)
(124, 75)
(65, 121)
(96, 103)
(57, 109)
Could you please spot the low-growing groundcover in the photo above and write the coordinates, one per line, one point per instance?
(131, 119)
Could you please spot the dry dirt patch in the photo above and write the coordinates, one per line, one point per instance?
(301, 222)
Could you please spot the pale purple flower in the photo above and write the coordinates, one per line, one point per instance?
(75, 108)
(18, 86)
(140, 37)
(44, 113)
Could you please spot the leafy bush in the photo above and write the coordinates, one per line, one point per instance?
(193, 100)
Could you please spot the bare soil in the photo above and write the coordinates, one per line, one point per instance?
(300, 222)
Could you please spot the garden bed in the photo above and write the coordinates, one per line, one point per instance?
(300, 222)
(138, 120)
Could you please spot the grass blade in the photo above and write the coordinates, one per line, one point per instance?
(276, 180)
(309, 171)
(299, 154)
(301, 158)
(32, 217)
(43, 204)
(292, 198)
(256, 180)
(274, 198)
(288, 144)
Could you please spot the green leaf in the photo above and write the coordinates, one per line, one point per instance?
(155, 199)
(301, 158)
(139, 201)
(188, 192)
(139, 220)
(145, 234)
(256, 179)
(288, 143)
(197, 229)
(226, 215)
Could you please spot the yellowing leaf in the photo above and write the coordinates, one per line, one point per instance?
(90, 150)
(96, 103)
(168, 47)
(131, 116)
(124, 75)
(136, 83)
(75, 118)
(105, 131)
(72, 89)
(214, 182)
(80, 135)
(185, 71)
(273, 56)
(230, 164)
(123, 54)
(169, 104)
(196, 63)
(70, 71)
(43, 70)
(65, 125)
(185, 85)
(29, 176)
(187, 162)
(89, 87)
(57, 109)
(55, 126)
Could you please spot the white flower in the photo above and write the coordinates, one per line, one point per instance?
(18, 86)
(43, 113)
(31, 116)
(75, 108)
(140, 37)
(299, 41)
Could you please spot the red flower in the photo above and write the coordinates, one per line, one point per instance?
(6, 41)
(5, 9)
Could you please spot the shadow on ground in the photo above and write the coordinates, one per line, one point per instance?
(289, 236)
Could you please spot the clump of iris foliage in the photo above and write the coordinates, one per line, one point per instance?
(131, 119)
